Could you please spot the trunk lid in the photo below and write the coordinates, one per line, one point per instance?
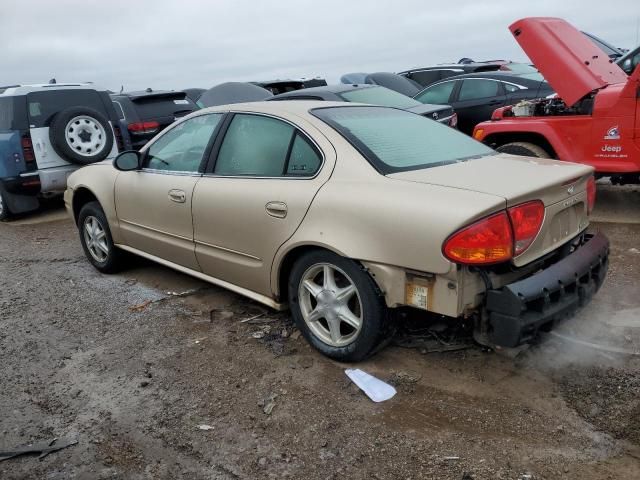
(570, 62)
(561, 186)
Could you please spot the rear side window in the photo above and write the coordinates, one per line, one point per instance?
(6, 113)
(260, 146)
(153, 107)
(475, 89)
(42, 106)
(438, 94)
(119, 110)
(304, 160)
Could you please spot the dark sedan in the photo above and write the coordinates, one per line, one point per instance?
(475, 96)
(375, 95)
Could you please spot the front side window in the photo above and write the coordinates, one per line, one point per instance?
(396, 140)
(438, 94)
(181, 148)
(260, 146)
(474, 89)
(379, 96)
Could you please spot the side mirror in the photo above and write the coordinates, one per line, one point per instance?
(127, 161)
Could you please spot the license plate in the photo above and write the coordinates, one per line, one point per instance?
(417, 295)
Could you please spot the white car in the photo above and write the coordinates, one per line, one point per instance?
(47, 132)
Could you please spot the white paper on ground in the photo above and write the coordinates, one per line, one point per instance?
(376, 390)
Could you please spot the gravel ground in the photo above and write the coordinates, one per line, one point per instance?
(133, 371)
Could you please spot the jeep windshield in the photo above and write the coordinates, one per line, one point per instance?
(379, 96)
(395, 140)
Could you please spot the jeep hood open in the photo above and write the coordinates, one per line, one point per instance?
(568, 60)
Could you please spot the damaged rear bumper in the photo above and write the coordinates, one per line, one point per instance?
(518, 310)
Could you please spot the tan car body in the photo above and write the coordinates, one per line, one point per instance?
(393, 225)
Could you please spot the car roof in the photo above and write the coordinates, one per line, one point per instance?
(500, 75)
(335, 88)
(299, 108)
(14, 90)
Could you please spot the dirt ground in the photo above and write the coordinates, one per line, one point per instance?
(133, 371)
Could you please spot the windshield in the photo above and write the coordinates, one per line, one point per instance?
(379, 96)
(396, 140)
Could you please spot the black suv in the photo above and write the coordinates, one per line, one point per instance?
(145, 113)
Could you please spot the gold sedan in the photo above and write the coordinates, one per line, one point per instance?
(345, 213)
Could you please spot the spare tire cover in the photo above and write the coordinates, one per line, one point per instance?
(81, 135)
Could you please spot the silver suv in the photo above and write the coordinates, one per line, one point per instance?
(47, 132)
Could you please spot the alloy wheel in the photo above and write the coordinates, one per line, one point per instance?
(95, 238)
(330, 304)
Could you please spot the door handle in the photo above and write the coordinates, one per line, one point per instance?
(177, 196)
(277, 209)
(495, 102)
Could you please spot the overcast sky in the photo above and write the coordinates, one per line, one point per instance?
(179, 44)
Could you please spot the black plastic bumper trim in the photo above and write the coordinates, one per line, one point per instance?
(516, 311)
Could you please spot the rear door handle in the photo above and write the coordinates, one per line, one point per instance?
(177, 196)
(277, 209)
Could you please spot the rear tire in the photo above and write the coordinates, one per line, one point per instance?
(96, 240)
(337, 306)
(5, 214)
(525, 149)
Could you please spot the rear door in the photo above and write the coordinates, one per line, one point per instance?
(475, 101)
(154, 204)
(43, 106)
(254, 196)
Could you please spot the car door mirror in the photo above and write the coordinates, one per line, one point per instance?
(127, 161)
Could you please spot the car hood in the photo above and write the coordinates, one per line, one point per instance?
(516, 179)
(568, 60)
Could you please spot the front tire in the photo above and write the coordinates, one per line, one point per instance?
(337, 306)
(96, 240)
(524, 148)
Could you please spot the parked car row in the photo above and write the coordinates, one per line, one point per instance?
(343, 211)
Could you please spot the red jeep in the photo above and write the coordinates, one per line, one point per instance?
(595, 120)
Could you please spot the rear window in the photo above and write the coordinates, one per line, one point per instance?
(396, 140)
(42, 106)
(379, 96)
(153, 107)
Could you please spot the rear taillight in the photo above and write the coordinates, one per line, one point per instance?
(140, 128)
(591, 194)
(27, 148)
(497, 238)
(526, 220)
(487, 241)
(453, 121)
(118, 135)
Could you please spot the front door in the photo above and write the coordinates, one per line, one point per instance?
(154, 204)
(264, 179)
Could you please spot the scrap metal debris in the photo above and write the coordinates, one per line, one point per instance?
(43, 448)
(205, 427)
